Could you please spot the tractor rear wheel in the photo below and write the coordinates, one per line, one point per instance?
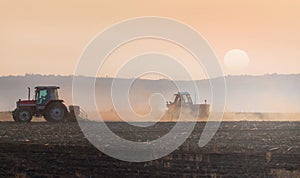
(56, 112)
(22, 115)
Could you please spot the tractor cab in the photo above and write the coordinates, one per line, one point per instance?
(44, 94)
(181, 98)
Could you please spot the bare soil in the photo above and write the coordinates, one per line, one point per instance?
(239, 149)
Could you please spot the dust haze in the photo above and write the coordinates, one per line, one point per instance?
(263, 98)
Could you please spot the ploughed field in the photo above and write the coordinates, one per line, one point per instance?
(239, 149)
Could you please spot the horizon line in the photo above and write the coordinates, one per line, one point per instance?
(111, 77)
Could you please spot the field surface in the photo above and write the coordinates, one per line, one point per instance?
(239, 149)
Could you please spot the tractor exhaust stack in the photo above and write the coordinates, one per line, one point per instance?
(28, 93)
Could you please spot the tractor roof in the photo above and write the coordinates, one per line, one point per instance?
(183, 93)
(46, 87)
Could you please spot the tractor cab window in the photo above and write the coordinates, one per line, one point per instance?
(176, 98)
(186, 99)
(55, 95)
(43, 96)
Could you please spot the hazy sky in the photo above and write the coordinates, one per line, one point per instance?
(47, 37)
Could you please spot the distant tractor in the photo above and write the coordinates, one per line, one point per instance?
(183, 106)
(46, 103)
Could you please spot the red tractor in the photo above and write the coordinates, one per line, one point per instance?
(46, 103)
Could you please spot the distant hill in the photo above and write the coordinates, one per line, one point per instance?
(267, 93)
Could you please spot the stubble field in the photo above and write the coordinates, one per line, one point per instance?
(239, 149)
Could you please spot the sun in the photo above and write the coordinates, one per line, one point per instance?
(236, 59)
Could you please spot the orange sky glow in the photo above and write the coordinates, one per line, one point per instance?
(47, 37)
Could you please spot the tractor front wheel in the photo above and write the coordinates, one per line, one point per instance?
(56, 112)
(22, 115)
